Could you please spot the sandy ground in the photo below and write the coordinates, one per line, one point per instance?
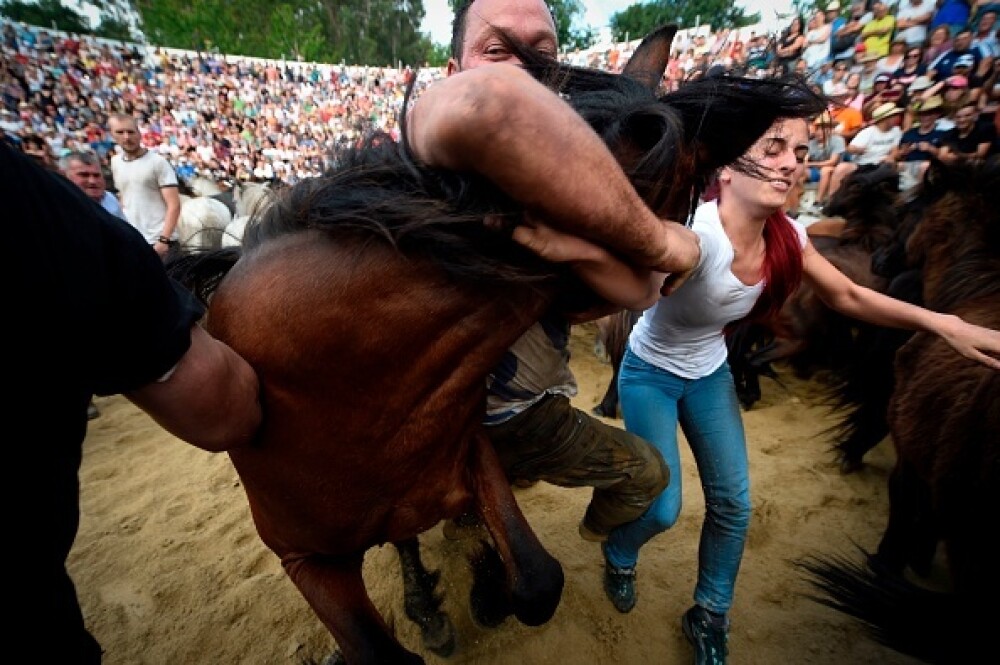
(169, 568)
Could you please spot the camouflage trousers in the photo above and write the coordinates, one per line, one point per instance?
(557, 443)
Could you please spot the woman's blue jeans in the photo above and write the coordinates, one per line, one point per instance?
(653, 402)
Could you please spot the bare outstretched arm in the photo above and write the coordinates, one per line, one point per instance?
(840, 293)
(209, 400)
(498, 121)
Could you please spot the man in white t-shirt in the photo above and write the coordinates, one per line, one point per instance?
(147, 184)
(912, 19)
(872, 146)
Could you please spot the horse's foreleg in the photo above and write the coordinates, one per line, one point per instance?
(534, 577)
(909, 537)
(336, 592)
(421, 601)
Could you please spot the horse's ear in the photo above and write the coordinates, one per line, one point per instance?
(649, 61)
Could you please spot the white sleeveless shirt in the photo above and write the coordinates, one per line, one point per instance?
(683, 333)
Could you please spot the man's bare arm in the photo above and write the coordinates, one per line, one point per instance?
(498, 121)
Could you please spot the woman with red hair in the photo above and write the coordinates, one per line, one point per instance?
(752, 257)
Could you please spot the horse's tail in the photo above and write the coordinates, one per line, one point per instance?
(201, 271)
(933, 626)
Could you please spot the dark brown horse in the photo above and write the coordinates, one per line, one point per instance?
(373, 303)
(944, 418)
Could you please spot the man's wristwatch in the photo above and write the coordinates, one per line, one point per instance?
(166, 241)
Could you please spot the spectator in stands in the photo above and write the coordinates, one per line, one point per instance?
(969, 139)
(38, 148)
(919, 145)
(847, 117)
(790, 45)
(847, 35)
(826, 148)
(877, 33)
(962, 54)
(873, 145)
(882, 92)
(836, 22)
(916, 93)
(912, 19)
(911, 68)
(938, 43)
(985, 37)
(956, 93)
(817, 42)
(897, 55)
(953, 14)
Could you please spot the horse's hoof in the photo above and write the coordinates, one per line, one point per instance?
(439, 635)
(335, 658)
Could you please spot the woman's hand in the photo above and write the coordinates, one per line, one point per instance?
(972, 341)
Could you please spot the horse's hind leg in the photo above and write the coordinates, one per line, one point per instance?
(534, 577)
(421, 602)
(336, 592)
(608, 406)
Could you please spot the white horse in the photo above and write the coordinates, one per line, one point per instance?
(203, 219)
(249, 199)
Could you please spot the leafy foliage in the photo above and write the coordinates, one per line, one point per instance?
(374, 32)
(640, 19)
(45, 13)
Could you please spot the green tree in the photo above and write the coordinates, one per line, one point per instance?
(45, 14)
(639, 19)
(374, 32)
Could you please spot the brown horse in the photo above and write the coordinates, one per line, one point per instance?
(373, 304)
(944, 417)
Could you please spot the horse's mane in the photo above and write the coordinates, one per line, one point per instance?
(867, 200)
(959, 238)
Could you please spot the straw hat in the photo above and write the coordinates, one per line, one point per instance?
(886, 110)
(934, 103)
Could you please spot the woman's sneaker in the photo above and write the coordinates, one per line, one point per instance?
(707, 634)
(619, 585)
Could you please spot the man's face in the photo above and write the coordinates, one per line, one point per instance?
(87, 177)
(962, 41)
(126, 134)
(965, 117)
(528, 21)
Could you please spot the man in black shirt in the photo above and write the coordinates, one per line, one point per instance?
(92, 311)
(969, 139)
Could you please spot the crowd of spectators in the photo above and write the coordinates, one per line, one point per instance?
(210, 115)
(228, 117)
